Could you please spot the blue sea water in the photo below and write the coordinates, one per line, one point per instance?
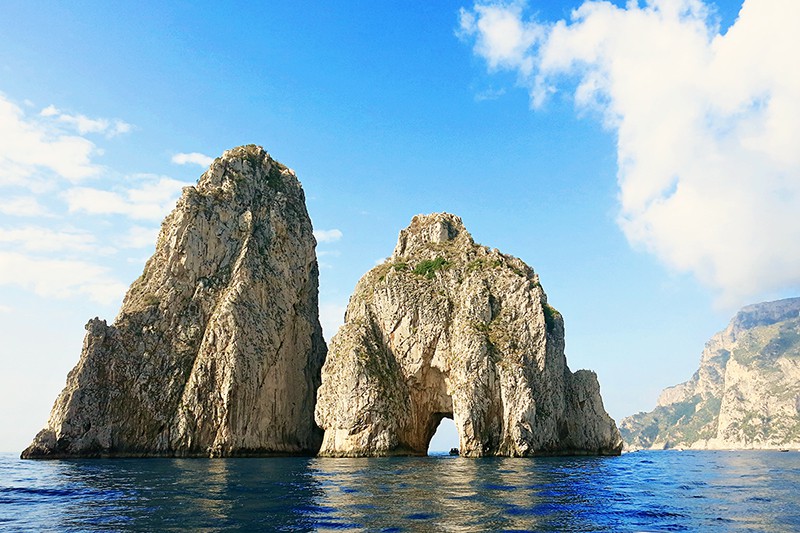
(643, 491)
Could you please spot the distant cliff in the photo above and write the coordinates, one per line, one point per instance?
(746, 393)
(217, 348)
(449, 328)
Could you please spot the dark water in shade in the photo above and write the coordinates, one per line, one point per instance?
(643, 491)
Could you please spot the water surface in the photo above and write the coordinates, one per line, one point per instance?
(653, 491)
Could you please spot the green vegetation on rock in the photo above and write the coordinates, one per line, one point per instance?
(551, 314)
(428, 267)
(674, 425)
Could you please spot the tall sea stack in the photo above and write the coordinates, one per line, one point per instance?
(449, 328)
(217, 349)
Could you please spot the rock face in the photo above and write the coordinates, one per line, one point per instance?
(448, 328)
(746, 393)
(217, 349)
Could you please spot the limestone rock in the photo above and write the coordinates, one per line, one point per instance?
(217, 348)
(745, 395)
(449, 328)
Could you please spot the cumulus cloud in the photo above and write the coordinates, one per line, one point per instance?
(503, 37)
(707, 124)
(151, 199)
(193, 158)
(31, 145)
(327, 235)
(140, 237)
(331, 317)
(44, 260)
(55, 253)
(84, 124)
(23, 206)
(38, 239)
(60, 278)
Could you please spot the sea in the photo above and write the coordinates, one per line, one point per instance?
(641, 491)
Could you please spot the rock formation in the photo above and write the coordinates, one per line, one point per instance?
(746, 393)
(448, 328)
(217, 349)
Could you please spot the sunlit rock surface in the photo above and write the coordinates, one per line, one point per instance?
(449, 328)
(745, 395)
(217, 348)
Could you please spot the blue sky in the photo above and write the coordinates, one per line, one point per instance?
(641, 158)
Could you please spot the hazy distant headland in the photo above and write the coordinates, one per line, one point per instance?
(745, 395)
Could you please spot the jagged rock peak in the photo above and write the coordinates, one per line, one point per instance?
(745, 393)
(424, 230)
(448, 328)
(217, 347)
(245, 169)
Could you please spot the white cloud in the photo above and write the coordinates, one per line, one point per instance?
(331, 317)
(29, 146)
(4, 309)
(140, 237)
(707, 124)
(193, 158)
(151, 200)
(47, 153)
(38, 239)
(23, 206)
(489, 94)
(50, 111)
(328, 253)
(502, 36)
(327, 235)
(58, 278)
(84, 124)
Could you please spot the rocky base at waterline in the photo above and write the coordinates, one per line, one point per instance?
(217, 348)
(449, 328)
(745, 395)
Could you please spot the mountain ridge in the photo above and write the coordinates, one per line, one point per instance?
(744, 395)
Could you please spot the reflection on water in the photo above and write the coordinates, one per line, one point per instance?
(383, 493)
(155, 494)
(688, 491)
(458, 494)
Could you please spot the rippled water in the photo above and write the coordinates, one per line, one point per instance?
(653, 491)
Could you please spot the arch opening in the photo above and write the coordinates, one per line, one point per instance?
(445, 437)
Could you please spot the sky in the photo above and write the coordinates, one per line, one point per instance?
(641, 157)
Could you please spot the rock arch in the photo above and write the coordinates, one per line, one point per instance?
(446, 327)
(429, 402)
